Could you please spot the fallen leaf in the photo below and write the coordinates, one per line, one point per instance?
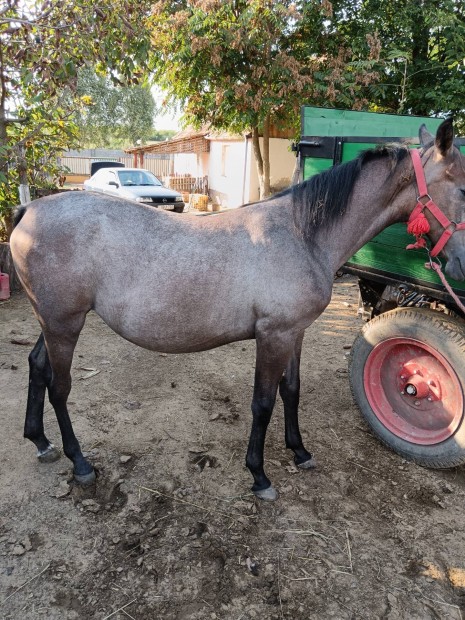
(90, 374)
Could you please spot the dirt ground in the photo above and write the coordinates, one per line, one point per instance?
(171, 530)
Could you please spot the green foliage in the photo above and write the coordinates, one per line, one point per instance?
(421, 64)
(43, 46)
(246, 65)
(33, 146)
(234, 64)
(112, 116)
(161, 135)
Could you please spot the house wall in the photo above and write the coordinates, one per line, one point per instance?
(232, 172)
(226, 172)
(186, 163)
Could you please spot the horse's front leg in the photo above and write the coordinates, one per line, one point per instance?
(289, 390)
(273, 354)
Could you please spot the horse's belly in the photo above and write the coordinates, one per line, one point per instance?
(179, 331)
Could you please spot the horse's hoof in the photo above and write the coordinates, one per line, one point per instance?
(269, 495)
(85, 480)
(49, 455)
(310, 464)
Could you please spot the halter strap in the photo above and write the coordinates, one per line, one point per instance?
(424, 201)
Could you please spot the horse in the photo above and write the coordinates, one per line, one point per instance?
(264, 271)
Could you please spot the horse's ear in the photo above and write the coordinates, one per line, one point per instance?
(445, 136)
(425, 136)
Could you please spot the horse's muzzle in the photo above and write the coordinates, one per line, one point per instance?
(455, 267)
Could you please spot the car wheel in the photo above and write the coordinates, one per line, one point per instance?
(407, 375)
(178, 209)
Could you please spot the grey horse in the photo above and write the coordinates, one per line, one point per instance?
(264, 271)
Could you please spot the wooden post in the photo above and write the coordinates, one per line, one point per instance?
(6, 266)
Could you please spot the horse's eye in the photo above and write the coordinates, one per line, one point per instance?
(463, 191)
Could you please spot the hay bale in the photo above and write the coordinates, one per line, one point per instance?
(199, 202)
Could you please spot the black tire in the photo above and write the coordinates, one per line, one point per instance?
(383, 390)
(178, 209)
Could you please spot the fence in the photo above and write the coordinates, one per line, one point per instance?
(187, 183)
(80, 166)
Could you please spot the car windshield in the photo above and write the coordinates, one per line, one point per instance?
(137, 177)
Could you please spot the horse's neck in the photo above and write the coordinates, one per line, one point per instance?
(377, 201)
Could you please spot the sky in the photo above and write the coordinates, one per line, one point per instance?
(168, 119)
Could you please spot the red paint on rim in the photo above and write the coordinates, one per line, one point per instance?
(413, 391)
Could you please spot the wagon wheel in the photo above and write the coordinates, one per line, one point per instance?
(407, 374)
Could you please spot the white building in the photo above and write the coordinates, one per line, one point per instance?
(221, 164)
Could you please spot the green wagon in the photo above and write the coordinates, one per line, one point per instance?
(407, 368)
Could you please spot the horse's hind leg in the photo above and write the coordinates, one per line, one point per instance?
(40, 374)
(60, 347)
(289, 389)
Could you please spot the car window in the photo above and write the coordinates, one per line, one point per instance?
(137, 177)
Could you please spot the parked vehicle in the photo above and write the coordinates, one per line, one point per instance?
(135, 184)
(407, 365)
(97, 165)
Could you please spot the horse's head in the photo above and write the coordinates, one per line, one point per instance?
(444, 170)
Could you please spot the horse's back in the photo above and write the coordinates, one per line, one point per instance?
(165, 281)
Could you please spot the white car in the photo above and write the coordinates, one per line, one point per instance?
(135, 184)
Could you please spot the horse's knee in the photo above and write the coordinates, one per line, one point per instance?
(58, 392)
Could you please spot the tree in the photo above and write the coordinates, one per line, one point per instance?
(112, 115)
(245, 65)
(160, 135)
(42, 45)
(422, 49)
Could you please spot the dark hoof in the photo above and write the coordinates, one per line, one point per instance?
(310, 464)
(269, 495)
(85, 480)
(50, 455)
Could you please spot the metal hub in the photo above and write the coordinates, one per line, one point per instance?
(413, 391)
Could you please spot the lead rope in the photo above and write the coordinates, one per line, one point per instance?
(436, 266)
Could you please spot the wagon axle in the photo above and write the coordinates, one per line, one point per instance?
(418, 386)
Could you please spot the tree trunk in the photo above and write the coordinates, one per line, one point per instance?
(262, 160)
(258, 158)
(6, 215)
(24, 192)
(266, 157)
(6, 266)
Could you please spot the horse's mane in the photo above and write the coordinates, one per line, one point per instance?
(324, 197)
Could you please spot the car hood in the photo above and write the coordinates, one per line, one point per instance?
(146, 191)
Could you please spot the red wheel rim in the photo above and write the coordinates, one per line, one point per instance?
(413, 391)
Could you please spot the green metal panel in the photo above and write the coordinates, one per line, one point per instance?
(387, 254)
(350, 150)
(315, 165)
(330, 122)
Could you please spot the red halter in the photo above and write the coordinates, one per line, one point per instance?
(417, 223)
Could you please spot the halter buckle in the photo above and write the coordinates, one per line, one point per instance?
(427, 197)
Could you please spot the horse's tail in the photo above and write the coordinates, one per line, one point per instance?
(18, 214)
